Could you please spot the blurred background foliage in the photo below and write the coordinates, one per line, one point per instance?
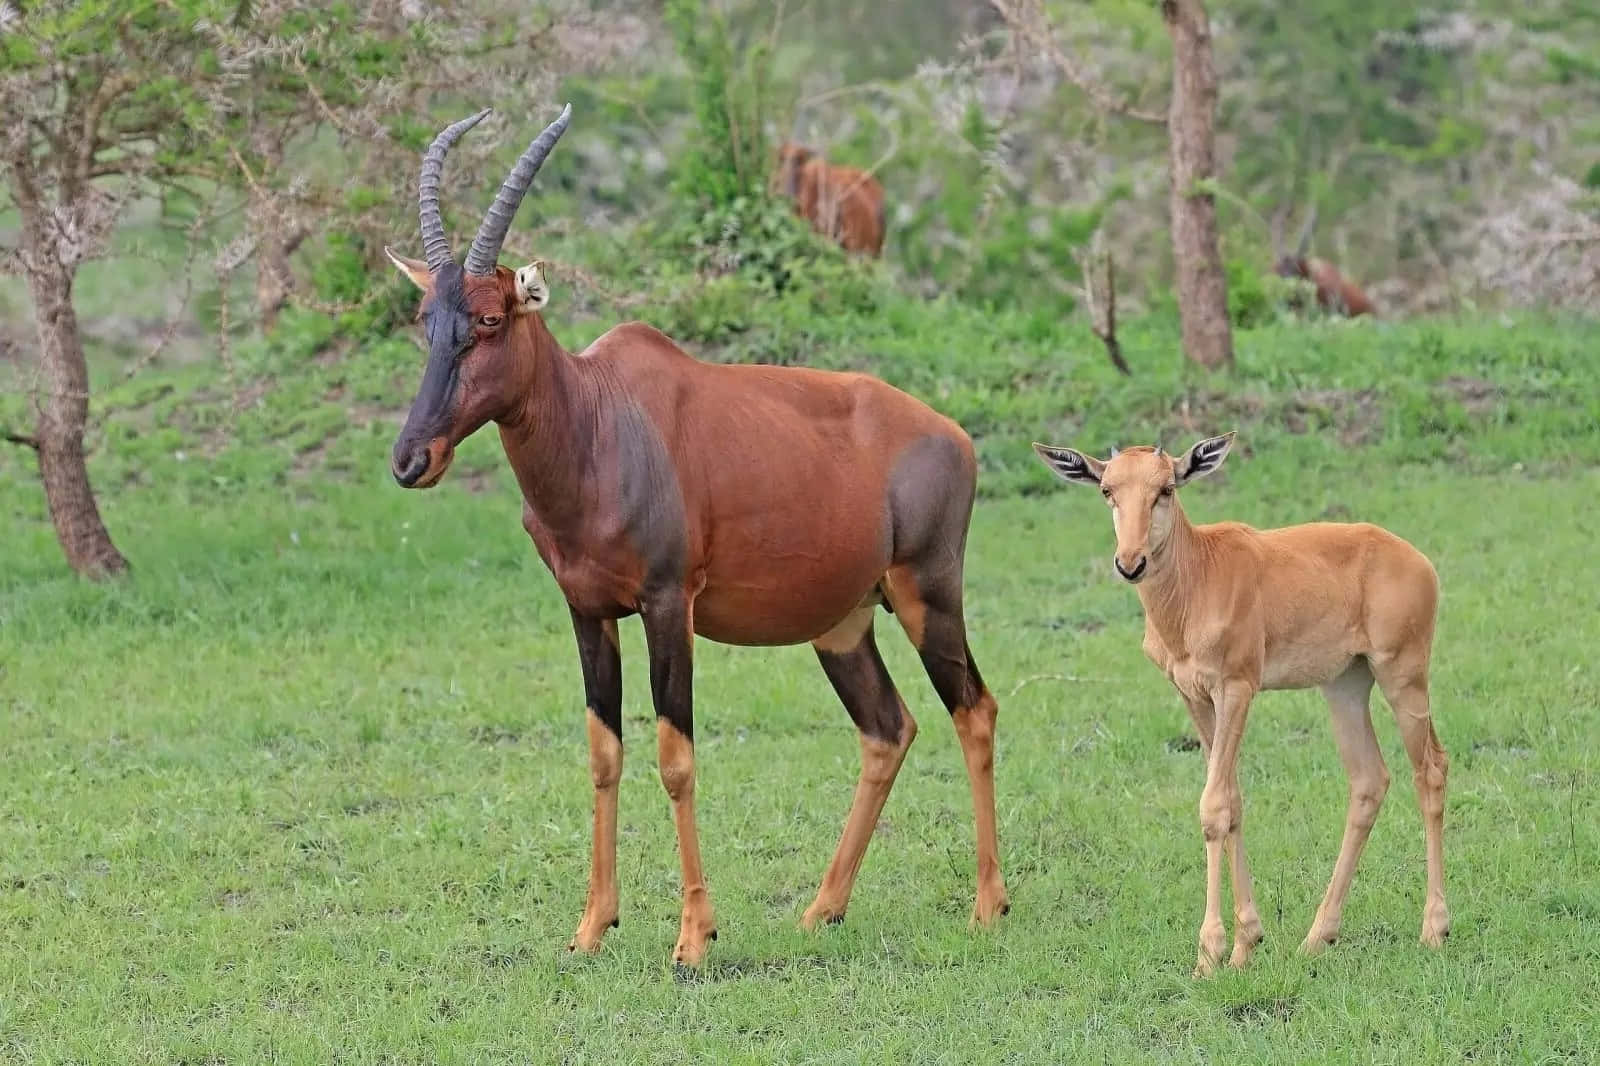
(1439, 146)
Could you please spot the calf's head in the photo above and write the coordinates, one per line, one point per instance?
(473, 315)
(1139, 485)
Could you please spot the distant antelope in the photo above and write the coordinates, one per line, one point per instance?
(1335, 292)
(749, 504)
(840, 202)
(1230, 611)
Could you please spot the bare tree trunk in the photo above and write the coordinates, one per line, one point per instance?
(1202, 285)
(63, 415)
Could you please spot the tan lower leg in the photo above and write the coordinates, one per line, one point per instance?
(698, 925)
(1430, 769)
(1247, 931)
(1366, 796)
(1213, 936)
(605, 767)
(975, 729)
(880, 763)
(1220, 807)
(1430, 780)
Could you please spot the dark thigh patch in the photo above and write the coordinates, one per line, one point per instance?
(931, 487)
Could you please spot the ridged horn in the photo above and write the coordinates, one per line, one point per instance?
(1305, 233)
(485, 250)
(435, 245)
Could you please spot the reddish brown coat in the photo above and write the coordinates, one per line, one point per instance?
(746, 504)
(1335, 292)
(841, 202)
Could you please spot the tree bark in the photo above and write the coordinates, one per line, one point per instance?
(63, 415)
(1202, 285)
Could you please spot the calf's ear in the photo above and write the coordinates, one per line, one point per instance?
(1203, 458)
(1069, 465)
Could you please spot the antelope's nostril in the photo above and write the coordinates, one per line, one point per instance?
(408, 471)
(1138, 569)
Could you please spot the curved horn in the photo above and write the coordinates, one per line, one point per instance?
(1280, 218)
(435, 245)
(1305, 232)
(485, 249)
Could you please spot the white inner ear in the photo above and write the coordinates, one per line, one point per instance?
(533, 292)
(417, 272)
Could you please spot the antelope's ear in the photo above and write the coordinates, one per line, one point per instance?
(1071, 466)
(419, 273)
(533, 292)
(1203, 458)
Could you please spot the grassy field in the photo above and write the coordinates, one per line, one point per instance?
(312, 785)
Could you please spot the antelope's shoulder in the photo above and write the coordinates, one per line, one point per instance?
(633, 342)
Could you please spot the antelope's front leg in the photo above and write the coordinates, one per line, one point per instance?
(1221, 823)
(1247, 932)
(669, 635)
(602, 692)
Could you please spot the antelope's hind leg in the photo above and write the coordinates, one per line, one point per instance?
(1406, 689)
(928, 605)
(849, 656)
(1348, 698)
(602, 687)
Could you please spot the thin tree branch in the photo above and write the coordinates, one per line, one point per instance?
(1027, 20)
(20, 438)
(89, 140)
(1103, 318)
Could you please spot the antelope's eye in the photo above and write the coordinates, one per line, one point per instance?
(1106, 493)
(488, 321)
(1166, 490)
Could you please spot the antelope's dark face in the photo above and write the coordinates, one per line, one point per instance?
(475, 316)
(1292, 266)
(1140, 486)
(477, 360)
(791, 157)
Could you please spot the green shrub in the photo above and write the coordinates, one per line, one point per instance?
(726, 158)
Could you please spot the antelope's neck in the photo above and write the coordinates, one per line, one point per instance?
(552, 430)
(1175, 571)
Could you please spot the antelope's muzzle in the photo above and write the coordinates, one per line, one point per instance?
(421, 467)
(1133, 575)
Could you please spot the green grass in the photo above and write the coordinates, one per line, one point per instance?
(311, 786)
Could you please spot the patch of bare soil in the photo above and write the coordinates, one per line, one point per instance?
(1353, 415)
(1479, 397)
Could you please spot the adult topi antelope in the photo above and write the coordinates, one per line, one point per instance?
(749, 504)
(840, 202)
(1336, 293)
(1230, 611)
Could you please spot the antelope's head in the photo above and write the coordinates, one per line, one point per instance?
(1140, 486)
(791, 158)
(477, 316)
(1293, 264)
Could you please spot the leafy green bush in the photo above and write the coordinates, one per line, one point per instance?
(1249, 301)
(726, 158)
